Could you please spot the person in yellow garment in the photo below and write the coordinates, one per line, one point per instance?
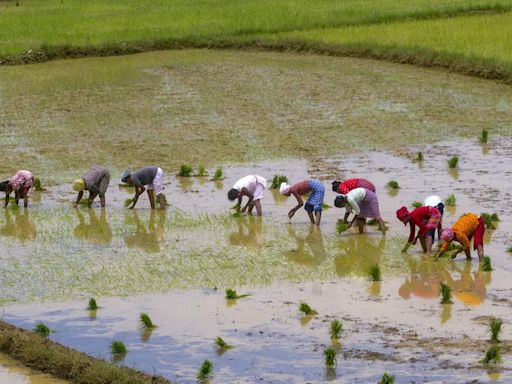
(469, 226)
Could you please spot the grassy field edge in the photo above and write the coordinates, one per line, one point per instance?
(65, 363)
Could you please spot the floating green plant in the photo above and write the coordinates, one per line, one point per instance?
(375, 274)
(185, 170)
(484, 137)
(387, 379)
(232, 295)
(145, 321)
(341, 226)
(416, 204)
(446, 294)
(419, 156)
(453, 162)
(277, 180)
(486, 264)
(93, 305)
(201, 171)
(206, 370)
(330, 357)
(42, 329)
(219, 341)
(451, 200)
(393, 184)
(495, 328)
(490, 220)
(219, 174)
(118, 348)
(336, 329)
(493, 355)
(306, 309)
(38, 186)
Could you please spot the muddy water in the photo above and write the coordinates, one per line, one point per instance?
(182, 260)
(12, 373)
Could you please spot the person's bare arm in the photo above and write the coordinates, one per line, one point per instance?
(138, 191)
(300, 203)
(78, 198)
(246, 192)
(345, 218)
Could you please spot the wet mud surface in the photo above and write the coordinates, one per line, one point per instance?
(175, 265)
(12, 373)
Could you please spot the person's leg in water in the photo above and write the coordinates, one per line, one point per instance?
(360, 224)
(161, 200)
(423, 242)
(318, 215)
(257, 204)
(309, 209)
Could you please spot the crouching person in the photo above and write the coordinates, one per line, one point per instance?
(19, 183)
(469, 226)
(95, 181)
(151, 176)
(313, 205)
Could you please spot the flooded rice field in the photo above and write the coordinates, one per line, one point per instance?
(12, 373)
(175, 265)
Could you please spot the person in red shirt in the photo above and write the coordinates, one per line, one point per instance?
(427, 219)
(348, 185)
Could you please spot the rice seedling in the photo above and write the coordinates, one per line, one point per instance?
(336, 329)
(446, 294)
(393, 184)
(451, 200)
(325, 206)
(387, 379)
(219, 341)
(330, 357)
(490, 220)
(493, 355)
(42, 330)
(453, 162)
(375, 274)
(277, 180)
(117, 347)
(145, 321)
(484, 137)
(185, 170)
(206, 370)
(218, 175)
(232, 295)
(127, 202)
(486, 264)
(509, 249)
(93, 305)
(495, 328)
(341, 226)
(201, 171)
(38, 186)
(372, 222)
(419, 156)
(306, 309)
(416, 204)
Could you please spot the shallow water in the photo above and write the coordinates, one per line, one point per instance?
(12, 373)
(176, 264)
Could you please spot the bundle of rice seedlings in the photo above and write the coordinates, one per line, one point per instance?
(484, 137)
(486, 264)
(185, 170)
(375, 274)
(495, 328)
(490, 220)
(330, 357)
(306, 309)
(219, 174)
(336, 329)
(42, 329)
(453, 162)
(446, 294)
(450, 201)
(419, 156)
(393, 184)
(145, 321)
(118, 348)
(93, 305)
(416, 204)
(219, 341)
(493, 355)
(277, 180)
(387, 379)
(341, 226)
(128, 202)
(206, 370)
(232, 295)
(201, 171)
(38, 186)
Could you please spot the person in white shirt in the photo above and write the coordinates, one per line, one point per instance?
(251, 186)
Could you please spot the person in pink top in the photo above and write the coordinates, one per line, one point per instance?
(426, 219)
(19, 183)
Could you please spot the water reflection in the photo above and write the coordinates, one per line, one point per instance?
(186, 183)
(94, 230)
(278, 198)
(249, 233)
(359, 253)
(146, 237)
(310, 250)
(19, 225)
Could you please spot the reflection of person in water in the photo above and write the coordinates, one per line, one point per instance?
(19, 225)
(147, 238)
(423, 281)
(360, 253)
(470, 288)
(249, 232)
(310, 249)
(97, 231)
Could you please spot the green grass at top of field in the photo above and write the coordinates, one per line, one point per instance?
(36, 23)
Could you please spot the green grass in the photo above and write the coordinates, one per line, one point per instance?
(277, 180)
(495, 329)
(205, 371)
(484, 136)
(232, 295)
(486, 264)
(374, 272)
(451, 200)
(42, 330)
(145, 321)
(387, 379)
(218, 175)
(453, 162)
(117, 347)
(306, 309)
(492, 355)
(219, 342)
(446, 294)
(185, 170)
(330, 357)
(92, 305)
(393, 184)
(336, 329)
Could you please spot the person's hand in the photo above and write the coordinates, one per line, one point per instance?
(350, 224)
(415, 240)
(406, 247)
(290, 214)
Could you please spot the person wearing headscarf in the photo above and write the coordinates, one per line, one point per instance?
(95, 181)
(19, 183)
(364, 204)
(151, 176)
(427, 219)
(313, 205)
(436, 202)
(252, 186)
(348, 185)
(469, 226)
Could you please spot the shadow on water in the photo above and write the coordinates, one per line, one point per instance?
(95, 230)
(19, 225)
(148, 236)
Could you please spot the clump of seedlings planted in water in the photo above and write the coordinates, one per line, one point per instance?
(336, 329)
(201, 171)
(206, 370)
(218, 175)
(490, 220)
(446, 294)
(325, 206)
(393, 184)
(93, 305)
(185, 170)
(38, 186)
(232, 295)
(419, 156)
(306, 309)
(372, 222)
(145, 321)
(486, 264)
(493, 355)
(509, 249)
(330, 357)
(277, 180)
(375, 274)
(387, 379)
(219, 341)
(416, 204)
(484, 137)
(451, 200)
(453, 162)
(495, 328)
(118, 348)
(42, 330)
(341, 226)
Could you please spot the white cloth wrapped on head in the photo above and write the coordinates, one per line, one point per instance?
(284, 188)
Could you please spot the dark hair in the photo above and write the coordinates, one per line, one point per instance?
(440, 208)
(335, 186)
(3, 185)
(232, 194)
(338, 200)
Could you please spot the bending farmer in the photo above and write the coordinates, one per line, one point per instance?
(468, 226)
(251, 186)
(20, 183)
(151, 176)
(348, 185)
(95, 181)
(427, 219)
(314, 203)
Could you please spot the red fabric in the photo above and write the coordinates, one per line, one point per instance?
(351, 184)
(478, 235)
(401, 213)
(421, 217)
